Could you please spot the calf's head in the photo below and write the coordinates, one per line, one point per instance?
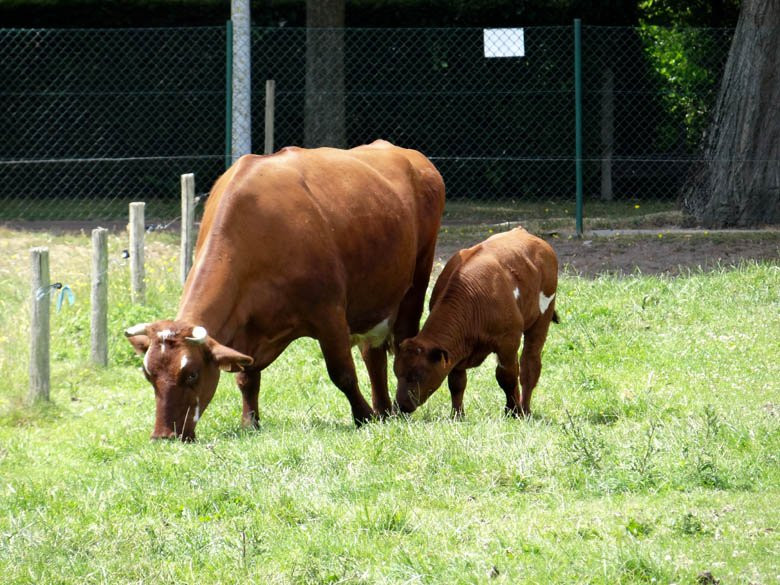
(420, 369)
(182, 363)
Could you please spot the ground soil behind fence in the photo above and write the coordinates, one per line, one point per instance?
(650, 251)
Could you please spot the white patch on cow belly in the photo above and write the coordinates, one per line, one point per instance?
(544, 301)
(375, 336)
(516, 293)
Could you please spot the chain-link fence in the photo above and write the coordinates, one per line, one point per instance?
(93, 119)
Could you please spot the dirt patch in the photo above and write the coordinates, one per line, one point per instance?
(661, 252)
(649, 251)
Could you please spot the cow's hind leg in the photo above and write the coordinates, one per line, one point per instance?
(531, 358)
(249, 383)
(376, 364)
(407, 323)
(334, 342)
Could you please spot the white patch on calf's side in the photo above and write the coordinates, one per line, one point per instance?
(544, 301)
(375, 336)
(516, 293)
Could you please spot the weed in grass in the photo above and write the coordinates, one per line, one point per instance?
(691, 524)
(642, 464)
(638, 528)
(582, 445)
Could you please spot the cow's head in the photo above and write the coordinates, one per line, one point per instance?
(420, 369)
(182, 362)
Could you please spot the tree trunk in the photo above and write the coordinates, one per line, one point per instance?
(738, 181)
(607, 133)
(324, 109)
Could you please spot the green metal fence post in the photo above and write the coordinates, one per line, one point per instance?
(228, 93)
(578, 118)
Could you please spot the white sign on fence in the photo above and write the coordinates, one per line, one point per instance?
(504, 42)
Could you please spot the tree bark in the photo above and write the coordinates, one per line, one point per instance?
(738, 181)
(324, 109)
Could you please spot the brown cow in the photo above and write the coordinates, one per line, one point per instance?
(486, 298)
(332, 244)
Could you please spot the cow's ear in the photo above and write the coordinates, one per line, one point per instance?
(228, 359)
(439, 355)
(138, 338)
(140, 343)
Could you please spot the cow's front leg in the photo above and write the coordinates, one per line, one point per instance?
(376, 364)
(336, 349)
(249, 384)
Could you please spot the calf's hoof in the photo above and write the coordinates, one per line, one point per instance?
(250, 422)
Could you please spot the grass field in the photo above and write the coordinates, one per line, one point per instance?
(653, 455)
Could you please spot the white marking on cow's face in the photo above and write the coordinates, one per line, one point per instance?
(165, 334)
(544, 301)
(184, 361)
(196, 416)
(516, 293)
(375, 336)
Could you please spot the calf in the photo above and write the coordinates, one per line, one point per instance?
(485, 299)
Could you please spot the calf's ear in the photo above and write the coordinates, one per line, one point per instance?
(228, 359)
(439, 355)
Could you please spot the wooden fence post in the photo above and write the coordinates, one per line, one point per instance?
(187, 223)
(99, 326)
(270, 98)
(40, 382)
(137, 283)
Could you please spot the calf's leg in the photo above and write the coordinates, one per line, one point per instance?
(507, 372)
(249, 383)
(457, 384)
(376, 364)
(531, 358)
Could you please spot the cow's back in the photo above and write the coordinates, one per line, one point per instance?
(325, 226)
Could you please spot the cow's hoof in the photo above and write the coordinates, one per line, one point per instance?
(517, 412)
(364, 419)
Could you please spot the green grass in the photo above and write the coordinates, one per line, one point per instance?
(653, 454)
